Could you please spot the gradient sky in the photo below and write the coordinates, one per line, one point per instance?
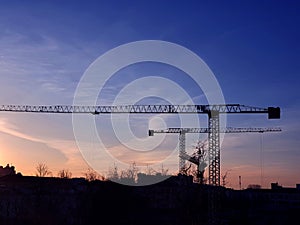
(252, 47)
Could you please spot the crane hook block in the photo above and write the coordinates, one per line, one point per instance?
(273, 113)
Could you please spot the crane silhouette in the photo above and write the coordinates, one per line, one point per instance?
(199, 157)
(213, 112)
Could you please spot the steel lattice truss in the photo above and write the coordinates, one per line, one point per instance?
(230, 108)
(214, 149)
(174, 130)
(212, 111)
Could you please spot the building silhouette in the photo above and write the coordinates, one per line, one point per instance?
(7, 170)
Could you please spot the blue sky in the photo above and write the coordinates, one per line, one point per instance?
(252, 47)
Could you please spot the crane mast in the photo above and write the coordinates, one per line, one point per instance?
(212, 111)
(183, 156)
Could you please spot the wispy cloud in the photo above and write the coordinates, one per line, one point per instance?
(66, 147)
(42, 66)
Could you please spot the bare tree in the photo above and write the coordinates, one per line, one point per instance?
(42, 170)
(91, 175)
(224, 178)
(130, 174)
(113, 173)
(150, 171)
(64, 173)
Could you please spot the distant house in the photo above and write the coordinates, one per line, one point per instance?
(8, 170)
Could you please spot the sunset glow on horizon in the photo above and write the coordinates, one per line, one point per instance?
(46, 48)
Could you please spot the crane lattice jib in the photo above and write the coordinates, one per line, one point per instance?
(205, 109)
(214, 144)
(174, 130)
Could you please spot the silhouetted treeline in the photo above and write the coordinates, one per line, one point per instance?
(177, 200)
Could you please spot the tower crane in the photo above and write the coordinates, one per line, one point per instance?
(213, 112)
(197, 159)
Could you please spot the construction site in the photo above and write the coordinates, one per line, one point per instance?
(149, 112)
(185, 198)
